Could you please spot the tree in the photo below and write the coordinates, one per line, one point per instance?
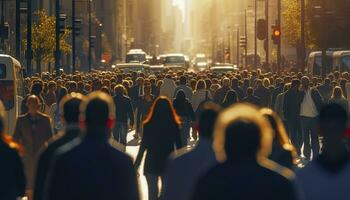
(291, 23)
(44, 39)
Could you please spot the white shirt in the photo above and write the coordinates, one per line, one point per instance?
(308, 107)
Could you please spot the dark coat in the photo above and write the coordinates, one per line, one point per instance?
(184, 109)
(159, 142)
(124, 109)
(276, 91)
(252, 100)
(248, 181)
(240, 92)
(12, 178)
(134, 94)
(220, 94)
(92, 170)
(291, 104)
(46, 157)
(326, 91)
(265, 96)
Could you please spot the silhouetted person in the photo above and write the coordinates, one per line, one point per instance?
(144, 105)
(124, 115)
(32, 131)
(161, 133)
(242, 142)
(12, 178)
(183, 170)
(251, 98)
(291, 110)
(183, 86)
(93, 169)
(282, 152)
(69, 107)
(328, 175)
(184, 109)
(36, 90)
(263, 93)
(230, 99)
(221, 93)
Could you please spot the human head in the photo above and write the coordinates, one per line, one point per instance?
(207, 120)
(332, 124)
(98, 104)
(180, 95)
(305, 82)
(147, 89)
(183, 80)
(295, 84)
(201, 85)
(36, 89)
(241, 132)
(250, 91)
(226, 82)
(33, 104)
(337, 93)
(119, 90)
(231, 96)
(70, 105)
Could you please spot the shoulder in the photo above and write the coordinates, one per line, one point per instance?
(277, 169)
(43, 116)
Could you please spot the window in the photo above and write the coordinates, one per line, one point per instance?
(7, 93)
(2, 71)
(345, 64)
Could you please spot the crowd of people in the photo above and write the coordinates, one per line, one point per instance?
(238, 135)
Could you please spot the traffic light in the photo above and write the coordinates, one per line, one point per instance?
(276, 34)
(78, 23)
(62, 23)
(243, 42)
(92, 41)
(262, 29)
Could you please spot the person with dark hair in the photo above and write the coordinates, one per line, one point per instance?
(32, 131)
(339, 98)
(161, 133)
(328, 175)
(37, 90)
(55, 112)
(263, 92)
(230, 99)
(242, 142)
(237, 88)
(168, 87)
(12, 178)
(283, 151)
(124, 114)
(326, 89)
(220, 94)
(93, 169)
(291, 110)
(184, 109)
(183, 86)
(251, 98)
(69, 107)
(184, 169)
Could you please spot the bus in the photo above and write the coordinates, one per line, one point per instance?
(136, 56)
(11, 89)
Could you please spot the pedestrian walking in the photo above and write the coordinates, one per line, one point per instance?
(32, 131)
(12, 181)
(161, 134)
(184, 109)
(230, 99)
(93, 169)
(241, 142)
(124, 115)
(339, 98)
(69, 107)
(168, 87)
(144, 106)
(183, 170)
(183, 86)
(55, 112)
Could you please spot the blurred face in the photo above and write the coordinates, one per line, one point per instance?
(305, 83)
(33, 104)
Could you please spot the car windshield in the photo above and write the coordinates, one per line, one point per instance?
(175, 59)
(345, 63)
(2, 71)
(135, 58)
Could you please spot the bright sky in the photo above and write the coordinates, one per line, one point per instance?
(181, 4)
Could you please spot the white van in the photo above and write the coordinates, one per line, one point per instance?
(314, 62)
(11, 88)
(341, 61)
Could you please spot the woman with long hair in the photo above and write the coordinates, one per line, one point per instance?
(184, 109)
(161, 136)
(12, 181)
(339, 98)
(283, 152)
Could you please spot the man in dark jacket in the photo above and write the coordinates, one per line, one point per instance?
(93, 169)
(263, 93)
(251, 98)
(276, 91)
(240, 143)
(135, 93)
(124, 113)
(70, 113)
(238, 89)
(291, 109)
(221, 93)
